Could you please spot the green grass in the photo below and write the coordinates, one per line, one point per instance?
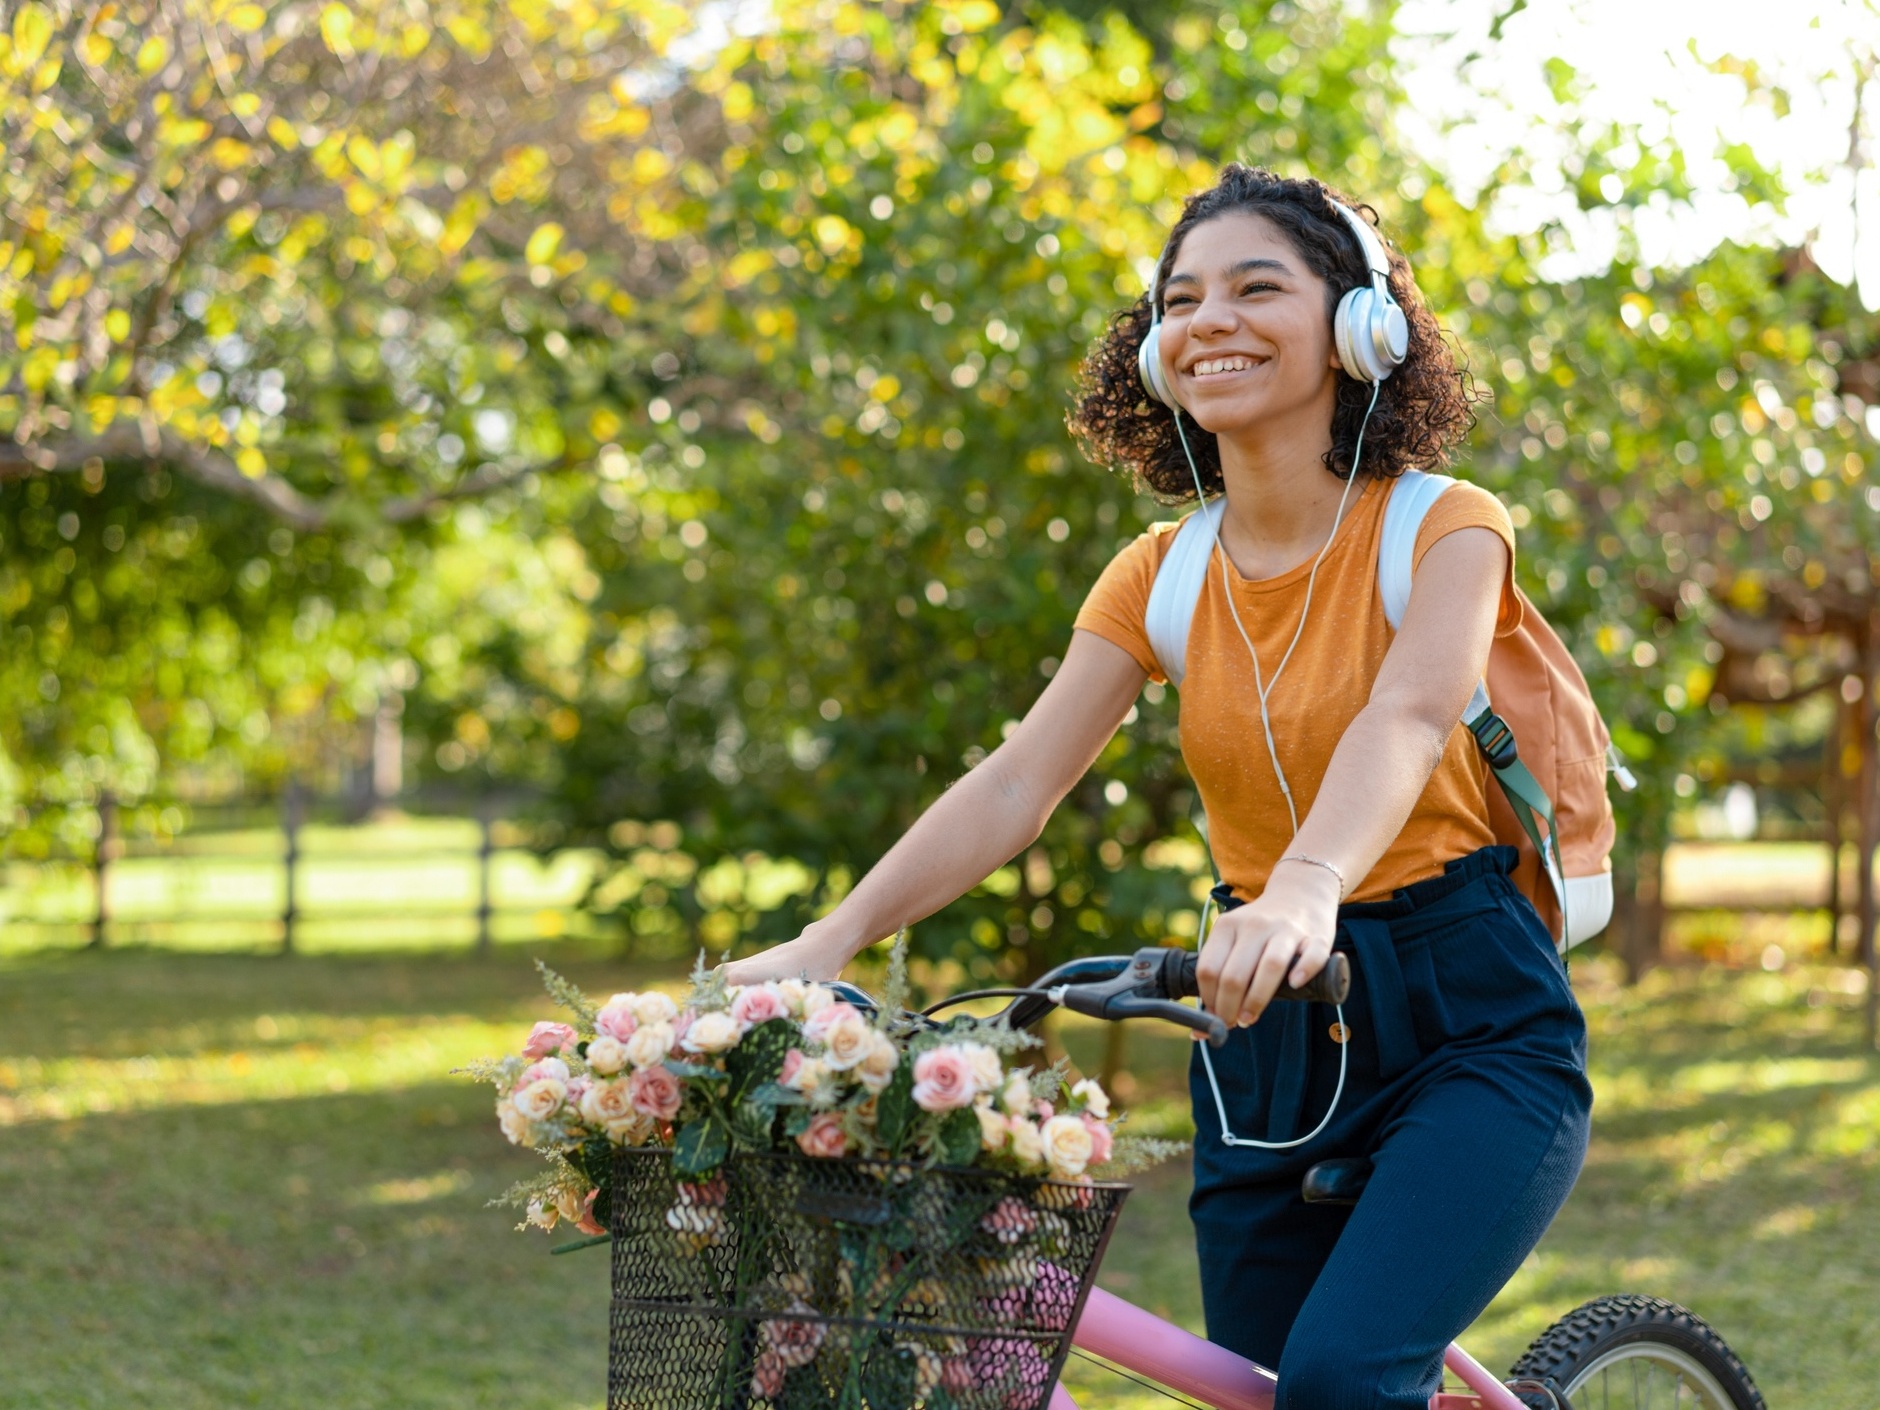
(232, 1181)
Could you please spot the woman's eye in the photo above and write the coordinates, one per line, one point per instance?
(1260, 289)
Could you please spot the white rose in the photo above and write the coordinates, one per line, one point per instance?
(794, 991)
(606, 1055)
(847, 1042)
(712, 1033)
(654, 1007)
(515, 1125)
(606, 1101)
(988, 1071)
(1027, 1142)
(1096, 1101)
(1016, 1096)
(543, 1216)
(649, 1045)
(818, 998)
(878, 1064)
(809, 1075)
(541, 1099)
(1067, 1145)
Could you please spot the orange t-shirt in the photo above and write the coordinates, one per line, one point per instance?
(1325, 685)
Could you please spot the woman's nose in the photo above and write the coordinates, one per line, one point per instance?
(1211, 318)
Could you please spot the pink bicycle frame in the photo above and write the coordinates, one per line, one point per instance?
(1121, 1332)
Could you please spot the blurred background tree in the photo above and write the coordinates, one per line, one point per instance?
(669, 419)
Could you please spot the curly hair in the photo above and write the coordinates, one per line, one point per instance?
(1422, 408)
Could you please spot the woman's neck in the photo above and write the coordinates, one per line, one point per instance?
(1282, 503)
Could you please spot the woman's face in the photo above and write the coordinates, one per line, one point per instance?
(1245, 337)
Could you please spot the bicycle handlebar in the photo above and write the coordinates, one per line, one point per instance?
(1144, 985)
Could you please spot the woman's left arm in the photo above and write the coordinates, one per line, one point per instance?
(1378, 771)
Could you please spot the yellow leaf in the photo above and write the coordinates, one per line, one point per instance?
(251, 462)
(245, 104)
(975, 14)
(95, 49)
(117, 325)
(32, 31)
(152, 54)
(604, 425)
(365, 156)
(47, 74)
(247, 18)
(228, 154)
(282, 131)
(336, 28)
(543, 243)
(119, 240)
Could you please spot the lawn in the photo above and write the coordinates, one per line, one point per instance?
(234, 1181)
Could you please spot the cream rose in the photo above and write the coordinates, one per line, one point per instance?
(847, 1041)
(649, 1045)
(988, 1071)
(1015, 1097)
(805, 1076)
(606, 1055)
(515, 1125)
(541, 1099)
(817, 998)
(606, 1102)
(654, 1007)
(992, 1128)
(712, 1033)
(1096, 1101)
(794, 991)
(876, 1069)
(1027, 1142)
(1067, 1145)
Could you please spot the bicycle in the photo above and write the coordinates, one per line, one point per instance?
(1622, 1350)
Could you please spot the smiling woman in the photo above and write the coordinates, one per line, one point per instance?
(1422, 410)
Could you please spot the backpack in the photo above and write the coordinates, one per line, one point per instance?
(1551, 805)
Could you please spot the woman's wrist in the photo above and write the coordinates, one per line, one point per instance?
(1312, 873)
(835, 941)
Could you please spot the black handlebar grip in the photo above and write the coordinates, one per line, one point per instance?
(1331, 985)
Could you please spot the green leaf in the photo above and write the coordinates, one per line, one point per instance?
(758, 1057)
(895, 1109)
(959, 1137)
(774, 1094)
(700, 1147)
(694, 1071)
(889, 1378)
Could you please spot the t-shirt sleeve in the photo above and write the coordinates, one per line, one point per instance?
(1117, 606)
(1466, 506)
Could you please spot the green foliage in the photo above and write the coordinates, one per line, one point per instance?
(570, 997)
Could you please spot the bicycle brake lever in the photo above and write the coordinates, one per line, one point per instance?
(1118, 999)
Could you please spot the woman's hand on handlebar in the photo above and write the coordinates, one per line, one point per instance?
(812, 955)
(1283, 937)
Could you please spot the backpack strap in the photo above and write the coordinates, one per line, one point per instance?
(1410, 501)
(1177, 588)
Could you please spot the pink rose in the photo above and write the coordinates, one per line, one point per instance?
(792, 1342)
(1045, 1110)
(943, 1080)
(792, 1064)
(547, 1038)
(681, 1026)
(1010, 1221)
(1101, 1139)
(767, 1376)
(551, 1069)
(655, 1091)
(824, 1138)
(827, 1017)
(759, 1004)
(616, 1018)
(587, 1223)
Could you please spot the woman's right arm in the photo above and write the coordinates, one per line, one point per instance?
(979, 824)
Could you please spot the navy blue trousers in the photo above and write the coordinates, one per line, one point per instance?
(1467, 1089)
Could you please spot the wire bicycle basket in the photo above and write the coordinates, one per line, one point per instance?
(785, 1282)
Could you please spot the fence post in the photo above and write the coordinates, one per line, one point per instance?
(106, 852)
(486, 854)
(290, 828)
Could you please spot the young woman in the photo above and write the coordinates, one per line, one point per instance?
(1466, 1081)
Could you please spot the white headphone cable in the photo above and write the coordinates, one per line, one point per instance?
(1262, 690)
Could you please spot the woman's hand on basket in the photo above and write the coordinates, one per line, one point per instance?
(1284, 936)
(811, 955)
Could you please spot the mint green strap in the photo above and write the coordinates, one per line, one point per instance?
(1525, 796)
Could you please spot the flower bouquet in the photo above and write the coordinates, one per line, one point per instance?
(813, 1207)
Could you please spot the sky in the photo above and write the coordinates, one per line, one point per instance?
(1672, 71)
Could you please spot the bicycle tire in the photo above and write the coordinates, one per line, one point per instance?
(1639, 1347)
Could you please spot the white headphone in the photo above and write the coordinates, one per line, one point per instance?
(1369, 329)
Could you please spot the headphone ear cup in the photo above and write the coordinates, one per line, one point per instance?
(1350, 335)
(1149, 367)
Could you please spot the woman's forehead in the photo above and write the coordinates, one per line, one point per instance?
(1227, 242)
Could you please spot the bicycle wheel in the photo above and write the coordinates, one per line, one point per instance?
(1627, 1352)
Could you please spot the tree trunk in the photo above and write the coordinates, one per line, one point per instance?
(1869, 821)
(1833, 801)
(1640, 916)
